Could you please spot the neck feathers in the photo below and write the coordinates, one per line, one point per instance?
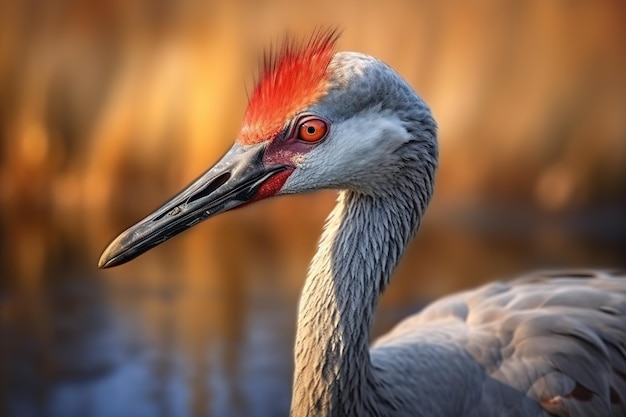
(364, 239)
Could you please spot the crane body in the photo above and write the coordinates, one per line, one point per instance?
(546, 344)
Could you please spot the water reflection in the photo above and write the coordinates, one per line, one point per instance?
(109, 107)
(204, 325)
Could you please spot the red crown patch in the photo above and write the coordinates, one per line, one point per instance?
(291, 79)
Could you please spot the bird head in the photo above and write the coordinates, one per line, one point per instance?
(316, 119)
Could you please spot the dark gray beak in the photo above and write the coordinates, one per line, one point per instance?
(233, 181)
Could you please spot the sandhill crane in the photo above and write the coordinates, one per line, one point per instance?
(547, 344)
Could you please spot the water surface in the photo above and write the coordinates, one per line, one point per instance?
(204, 325)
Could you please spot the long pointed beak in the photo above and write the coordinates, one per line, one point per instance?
(233, 181)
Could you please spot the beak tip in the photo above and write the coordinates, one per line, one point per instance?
(110, 256)
(121, 250)
(104, 261)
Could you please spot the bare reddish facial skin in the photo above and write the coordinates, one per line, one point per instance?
(284, 151)
(291, 80)
(272, 185)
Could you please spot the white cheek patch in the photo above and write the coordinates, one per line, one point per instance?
(357, 152)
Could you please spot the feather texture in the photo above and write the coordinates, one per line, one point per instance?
(291, 79)
(546, 344)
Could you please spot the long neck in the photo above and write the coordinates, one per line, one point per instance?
(363, 240)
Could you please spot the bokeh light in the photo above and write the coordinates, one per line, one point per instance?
(109, 107)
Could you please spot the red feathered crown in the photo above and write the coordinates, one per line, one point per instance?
(291, 79)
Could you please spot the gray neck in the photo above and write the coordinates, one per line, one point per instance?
(363, 241)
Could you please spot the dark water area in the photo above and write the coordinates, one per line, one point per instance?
(209, 331)
(110, 106)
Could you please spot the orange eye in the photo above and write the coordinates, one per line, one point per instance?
(312, 130)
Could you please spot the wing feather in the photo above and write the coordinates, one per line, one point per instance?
(558, 338)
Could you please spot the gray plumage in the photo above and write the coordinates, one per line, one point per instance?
(551, 344)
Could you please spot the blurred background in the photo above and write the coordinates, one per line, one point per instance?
(108, 107)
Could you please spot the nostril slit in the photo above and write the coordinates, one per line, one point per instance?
(210, 187)
(174, 211)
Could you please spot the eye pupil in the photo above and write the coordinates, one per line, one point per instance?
(310, 130)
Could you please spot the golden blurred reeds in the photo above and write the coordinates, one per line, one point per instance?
(108, 107)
